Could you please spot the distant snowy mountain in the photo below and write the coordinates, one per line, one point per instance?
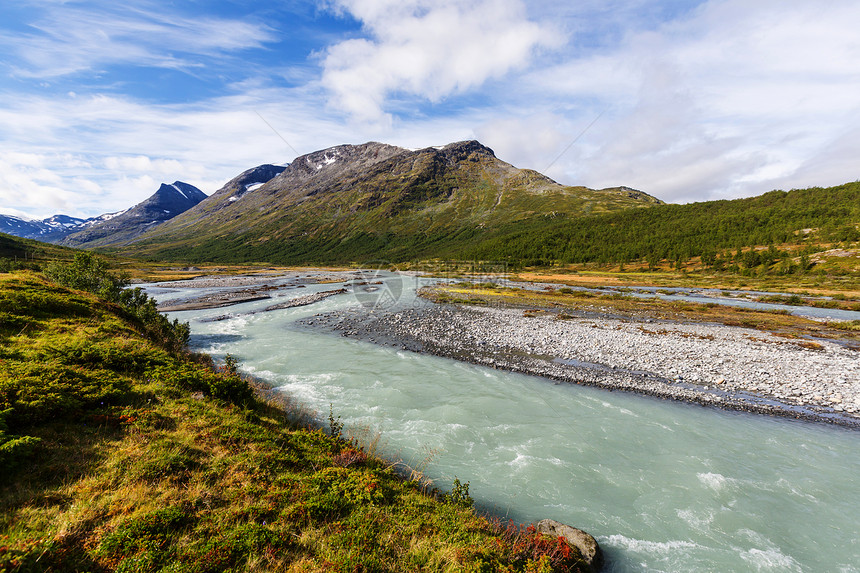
(123, 226)
(64, 222)
(50, 230)
(21, 227)
(120, 228)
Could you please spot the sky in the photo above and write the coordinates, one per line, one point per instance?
(688, 100)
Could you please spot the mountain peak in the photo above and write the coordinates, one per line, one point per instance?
(178, 189)
(339, 156)
(468, 147)
(372, 199)
(170, 200)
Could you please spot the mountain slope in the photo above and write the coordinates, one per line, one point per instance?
(164, 204)
(18, 250)
(21, 227)
(354, 202)
(806, 219)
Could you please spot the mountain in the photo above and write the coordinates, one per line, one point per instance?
(44, 230)
(354, 202)
(120, 228)
(20, 227)
(250, 180)
(51, 230)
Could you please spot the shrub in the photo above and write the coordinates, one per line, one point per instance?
(459, 494)
(86, 272)
(146, 543)
(41, 391)
(237, 546)
(89, 273)
(117, 355)
(13, 449)
(222, 385)
(519, 548)
(336, 490)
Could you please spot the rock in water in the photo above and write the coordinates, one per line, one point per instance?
(585, 543)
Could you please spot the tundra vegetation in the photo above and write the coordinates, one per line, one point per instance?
(777, 234)
(122, 451)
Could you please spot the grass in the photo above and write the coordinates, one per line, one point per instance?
(595, 275)
(117, 454)
(565, 300)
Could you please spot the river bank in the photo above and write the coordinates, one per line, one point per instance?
(712, 365)
(662, 485)
(150, 458)
(719, 365)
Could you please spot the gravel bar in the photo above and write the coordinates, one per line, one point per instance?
(713, 365)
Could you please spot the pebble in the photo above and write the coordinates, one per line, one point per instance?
(672, 360)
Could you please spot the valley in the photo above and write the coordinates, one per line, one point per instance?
(612, 454)
(455, 305)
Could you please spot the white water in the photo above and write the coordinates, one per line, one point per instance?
(663, 486)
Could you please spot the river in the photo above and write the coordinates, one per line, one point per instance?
(663, 486)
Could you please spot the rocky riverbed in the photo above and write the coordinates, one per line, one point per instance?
(715, 365)
(249, 288)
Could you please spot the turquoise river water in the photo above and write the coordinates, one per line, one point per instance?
(663, 486)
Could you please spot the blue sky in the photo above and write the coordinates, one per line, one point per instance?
(101, 101)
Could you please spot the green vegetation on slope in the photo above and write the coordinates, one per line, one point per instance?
(18, 253)
(721, 234)
(361, 206)
(716, 231)
(121, 453)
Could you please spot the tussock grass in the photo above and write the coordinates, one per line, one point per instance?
(118, 454)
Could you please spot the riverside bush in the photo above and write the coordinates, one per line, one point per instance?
(32, 392)
(337, 490)
(224, 386)
(89, 273)
(86, 272)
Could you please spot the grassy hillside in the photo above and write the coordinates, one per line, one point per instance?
(801, 221)
(591, 228)
(120, 453)
(16, 252)
(354, 203)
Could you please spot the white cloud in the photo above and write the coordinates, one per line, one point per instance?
(428, 49)
(92, 155)
(30, 183)
(75, 37)
(725, 99)
(529, 142)
(732, 99)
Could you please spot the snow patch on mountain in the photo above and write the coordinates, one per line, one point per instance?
(181, 192)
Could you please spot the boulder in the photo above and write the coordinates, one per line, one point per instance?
(585, 543)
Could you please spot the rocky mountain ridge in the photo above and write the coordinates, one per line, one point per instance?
(50, 230)
(163, 205)
(356, 200)
(123, 226)
(346, 202)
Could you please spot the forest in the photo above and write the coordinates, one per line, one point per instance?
(723, 234)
